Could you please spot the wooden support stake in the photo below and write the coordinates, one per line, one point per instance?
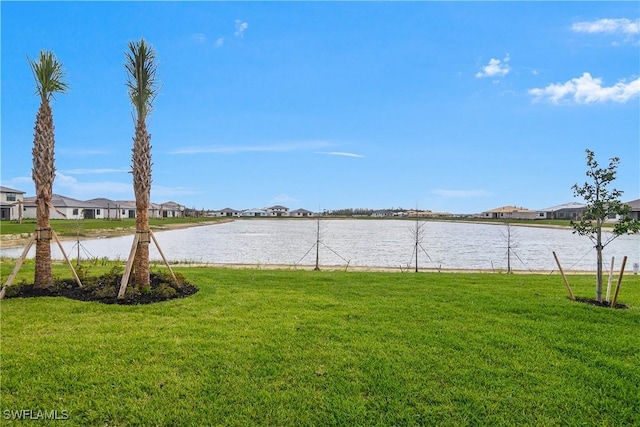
(153, 237)
(73, 271)
(127, 272)
(615, 296)
(19, 262)
(566, 282)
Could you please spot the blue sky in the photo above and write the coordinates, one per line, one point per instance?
(447, 106)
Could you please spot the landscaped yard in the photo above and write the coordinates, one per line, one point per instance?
(304, 348)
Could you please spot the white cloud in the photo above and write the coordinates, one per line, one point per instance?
(340, 153)
(71, 187)
(461, 193)
(587, 90)
(235, 149)
(199, 37)
(241, 27)
(283, 199)
(610, 26)
(93, 171)
(495, 68)
(219, 42)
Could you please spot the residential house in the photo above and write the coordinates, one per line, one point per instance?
(277, 210)
(115, 209)
(10, 203)
(509, 212)
(171, 210)
(382, 213)
(300, 213)
(64, 208)
(635, 209)
(572, 211)
(227, 212)
(254, 213)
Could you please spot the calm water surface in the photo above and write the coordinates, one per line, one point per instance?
(367, 243)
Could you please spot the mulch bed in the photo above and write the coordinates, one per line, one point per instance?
(104, 289)
(606, 304)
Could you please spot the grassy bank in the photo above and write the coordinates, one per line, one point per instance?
(65, 227)
(305, 348)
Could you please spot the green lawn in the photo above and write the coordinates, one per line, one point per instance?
(67, 227)
(304, 348)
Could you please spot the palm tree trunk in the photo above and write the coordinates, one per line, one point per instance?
(43, 174)
(142, 189)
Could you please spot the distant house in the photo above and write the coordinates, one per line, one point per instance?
(227, 212)
(115, 209)
(300, 213)
(277, 210)
(572, 211)
(509, 212)
(65, 208)
(171, 210)
(254, 213)
(635, 209)
(382, 213)
(10, 203)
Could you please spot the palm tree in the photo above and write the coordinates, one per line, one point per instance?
(141, 69)
(49, 75)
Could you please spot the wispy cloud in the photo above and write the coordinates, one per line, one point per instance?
(199, 37)
(339, 153)
(93, 171)
(460, 193)
(495, 68)
(587, 90)
(241, 27)
(609, 26)
(219, 42)
(236, 149)
(70, 186)
(83, 152)
(158, 191)
(283, 199)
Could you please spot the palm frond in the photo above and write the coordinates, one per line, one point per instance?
(48, 74)
(141, 66)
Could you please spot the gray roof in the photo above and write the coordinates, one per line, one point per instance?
(10, 190)
(570, 205)
(63, 202)
(635, 205)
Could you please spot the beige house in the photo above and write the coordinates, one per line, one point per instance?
(509, 212)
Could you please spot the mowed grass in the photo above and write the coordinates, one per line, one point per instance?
(305, 348)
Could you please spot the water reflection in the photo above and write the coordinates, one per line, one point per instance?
(367, 243)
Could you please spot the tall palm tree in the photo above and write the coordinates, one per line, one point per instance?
(141, 69)
(49, 76)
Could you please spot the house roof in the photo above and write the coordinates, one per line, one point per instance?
(229, 210)
(9, 190)
(509, 209)
(571, 205)
(300, 211)
(278, 207)
(63, 202)
(171, 206)
(104, 203)
(634, 204)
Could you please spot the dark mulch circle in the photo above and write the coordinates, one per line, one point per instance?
(606, 304)
(104, 289)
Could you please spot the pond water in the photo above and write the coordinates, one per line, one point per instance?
(368, 243)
